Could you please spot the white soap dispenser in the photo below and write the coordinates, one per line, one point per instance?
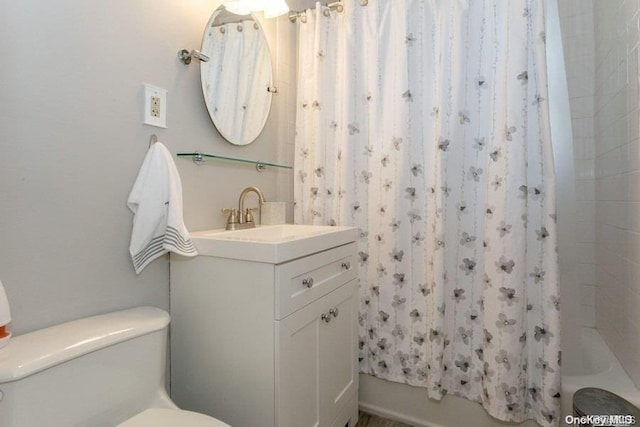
(5, 318)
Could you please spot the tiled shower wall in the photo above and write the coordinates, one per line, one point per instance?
(617, 191)
(576, 18)
(600, 41)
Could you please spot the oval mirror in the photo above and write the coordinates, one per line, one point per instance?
(237, 78)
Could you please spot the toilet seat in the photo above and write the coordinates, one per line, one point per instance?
(163, 417)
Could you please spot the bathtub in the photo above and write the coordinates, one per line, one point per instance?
(598, 367)
(404, 403)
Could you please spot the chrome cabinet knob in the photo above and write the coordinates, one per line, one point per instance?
(308, 282)
(326, 317)
(346, 265)
(334, 312)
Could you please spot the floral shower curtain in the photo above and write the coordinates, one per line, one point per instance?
(425, 124)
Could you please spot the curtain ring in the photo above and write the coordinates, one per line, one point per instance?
(239, 28)
(222, 30)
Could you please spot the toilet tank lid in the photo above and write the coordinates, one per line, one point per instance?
(38, 350)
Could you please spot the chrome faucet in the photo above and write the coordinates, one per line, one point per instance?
(243, 219)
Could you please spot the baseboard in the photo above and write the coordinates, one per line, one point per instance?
(395, 416)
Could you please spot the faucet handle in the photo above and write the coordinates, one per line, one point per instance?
(248, 216)
(233, 216)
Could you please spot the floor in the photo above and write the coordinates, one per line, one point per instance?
(368, 420)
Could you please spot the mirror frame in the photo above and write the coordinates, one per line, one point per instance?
(210, 111)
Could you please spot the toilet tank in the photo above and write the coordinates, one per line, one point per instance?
(91, 372)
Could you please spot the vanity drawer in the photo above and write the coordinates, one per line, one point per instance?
(304, 280)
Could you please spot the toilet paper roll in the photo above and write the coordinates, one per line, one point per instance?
(274, 213)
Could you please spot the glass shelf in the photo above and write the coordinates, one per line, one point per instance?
(260, 165)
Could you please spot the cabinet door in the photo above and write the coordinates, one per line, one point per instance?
(315, 362)
(298, 368)
(338, 353)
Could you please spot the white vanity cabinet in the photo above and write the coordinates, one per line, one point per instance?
(260, 344)
(315, 367)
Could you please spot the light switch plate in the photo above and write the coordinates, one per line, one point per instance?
(155, 106)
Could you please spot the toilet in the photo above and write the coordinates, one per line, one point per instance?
(101, 371)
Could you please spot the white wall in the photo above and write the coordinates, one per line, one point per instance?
(617, 192)
(72, 140)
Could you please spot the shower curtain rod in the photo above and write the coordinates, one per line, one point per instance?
(294, 15)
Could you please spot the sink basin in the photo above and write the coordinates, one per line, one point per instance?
(272, 243)
(273, 233)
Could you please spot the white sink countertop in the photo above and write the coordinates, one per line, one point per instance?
(272, 243)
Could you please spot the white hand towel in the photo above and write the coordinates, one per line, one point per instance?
(156, 202)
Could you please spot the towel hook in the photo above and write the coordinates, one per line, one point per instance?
(153, 139)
